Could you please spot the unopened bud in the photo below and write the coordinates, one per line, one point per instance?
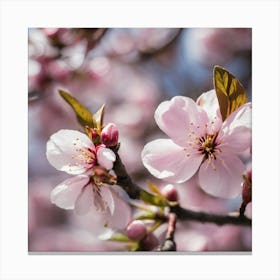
(170, 192)
(136, 230)
(110, 135)
(247, 188)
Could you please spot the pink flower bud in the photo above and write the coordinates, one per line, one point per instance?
(110, 135)
(247, 188)
(170, 192)
(136, 230)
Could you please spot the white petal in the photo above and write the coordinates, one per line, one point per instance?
(84, 201)
(180, 116)
(98, 222)
(99, 203)
(209, 101)
(122, 214)
(106, 157)
(65, 194)
(108, 198)
(166, 160)
(65, 151)
(222, 177)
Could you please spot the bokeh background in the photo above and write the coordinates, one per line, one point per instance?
(132, 71)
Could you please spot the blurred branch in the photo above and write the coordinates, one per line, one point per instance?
(169, 243)
(149, 52)
(133, 191)
(242, 209)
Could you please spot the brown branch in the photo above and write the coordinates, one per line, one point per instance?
(149, 52)
(124, 180)
(133, 191)
(242, 209)
(185, 214)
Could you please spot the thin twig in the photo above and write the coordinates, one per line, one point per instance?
(242, 209)
(169, 243)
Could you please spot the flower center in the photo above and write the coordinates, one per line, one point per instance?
(84, 155)
(208, 146)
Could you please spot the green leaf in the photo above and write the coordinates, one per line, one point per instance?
(84, 116)
(119, 237)
(230, 92)
(153, 199)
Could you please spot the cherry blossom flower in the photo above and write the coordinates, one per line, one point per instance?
(73, 152)
(201, 142)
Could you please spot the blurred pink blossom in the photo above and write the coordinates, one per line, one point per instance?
(200, 142)
(217, 45)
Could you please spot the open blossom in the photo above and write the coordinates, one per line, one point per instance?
(73, 152)
(200, 141)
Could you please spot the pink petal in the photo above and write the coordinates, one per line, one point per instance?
(166, 160)
(180, 116)
(209, 102)
(106, 157)
(236, 141)
(235, 133)
(108, 198)
(65, 194)
(240, 117)
(84, 201)
(65, 151)
(222, 177)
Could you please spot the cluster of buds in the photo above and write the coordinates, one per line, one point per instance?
(108, 135)
(137, 231)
